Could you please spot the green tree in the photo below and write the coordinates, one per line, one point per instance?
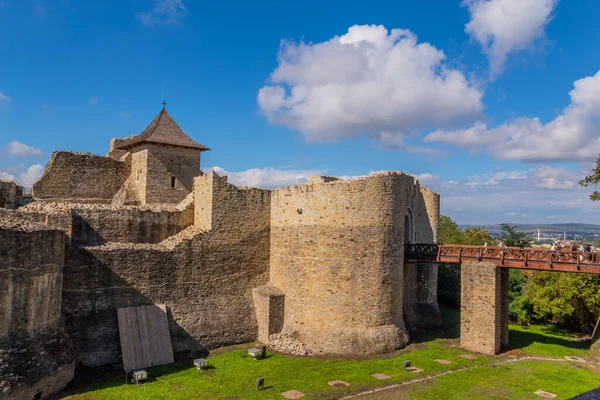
(449, 231)
(570, 300)
(476, 236)
(593, 180)
(510, 236)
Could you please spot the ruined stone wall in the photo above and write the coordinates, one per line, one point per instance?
(337, 255)
(205, 277)
(36, 356)
(11, 195)
(127, 225)
(56, 220)
(80, 177)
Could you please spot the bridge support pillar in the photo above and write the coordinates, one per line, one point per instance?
(420, 306)
(484, 307)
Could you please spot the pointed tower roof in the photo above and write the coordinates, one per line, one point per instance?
(163, 129)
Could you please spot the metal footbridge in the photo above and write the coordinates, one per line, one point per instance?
(508, 257)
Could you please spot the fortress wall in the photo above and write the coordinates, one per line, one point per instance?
(127, 225)
(11, 195)
(58, 220)
(427, 211)
(204, 277)
(337, 254)
(80, 177)
(36, 355)
(421, 309)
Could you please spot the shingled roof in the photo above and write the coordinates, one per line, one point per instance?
(163, 129)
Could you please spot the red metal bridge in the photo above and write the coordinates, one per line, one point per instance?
(508, 257)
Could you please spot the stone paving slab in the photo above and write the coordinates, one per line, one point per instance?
(381, 377)
(292, 394)
(445, 362)
(578, 359)
(338, 384)
(546, 395)
(467, 356)
(414, 369)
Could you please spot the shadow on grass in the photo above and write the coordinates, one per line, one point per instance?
(88, 379)
(519, 339)
(450, 328)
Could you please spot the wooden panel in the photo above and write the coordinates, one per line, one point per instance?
(145, 338)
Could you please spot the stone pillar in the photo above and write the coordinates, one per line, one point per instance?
(269, 307)
(420, 306)
(484, 307)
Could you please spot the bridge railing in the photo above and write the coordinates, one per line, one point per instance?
(515, 257)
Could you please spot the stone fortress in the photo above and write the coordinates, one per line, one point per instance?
(307, 269)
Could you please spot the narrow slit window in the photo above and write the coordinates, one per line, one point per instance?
(173, 181)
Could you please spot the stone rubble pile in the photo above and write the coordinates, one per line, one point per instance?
(22, 225)
(51, 207)
(288, 344)
(186, 234)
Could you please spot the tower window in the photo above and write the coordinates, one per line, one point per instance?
(173, 181)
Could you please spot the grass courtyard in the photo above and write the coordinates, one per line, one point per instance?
(234, 373)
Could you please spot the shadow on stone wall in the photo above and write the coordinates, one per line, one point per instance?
(92, 292)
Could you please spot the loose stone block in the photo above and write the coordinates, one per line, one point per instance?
(546, 395)
(381, 377)
(445, 362)
(292, 394)
(414, 369)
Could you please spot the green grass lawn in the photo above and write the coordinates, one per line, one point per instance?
(510, 381)
(233, 373)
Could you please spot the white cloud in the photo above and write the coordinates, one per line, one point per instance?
(369, 81)
(26, 177)
(506, 26)
(5, 176)
(31, 175)
(22, 150)
(4, 97)
(427, 178)
(268, 178)
(574, 135)
(555, 178)
(538, 194)
(93, 100)
(164, 12)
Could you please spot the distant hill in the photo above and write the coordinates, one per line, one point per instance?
(571, 229)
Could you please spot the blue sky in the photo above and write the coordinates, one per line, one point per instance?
(493, 103)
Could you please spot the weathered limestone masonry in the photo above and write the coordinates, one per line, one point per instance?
(420, 304)
(156, 166)
(11, 194)
(80, 177)
(314, 268)
(95, 226)
(484, 307)
(337, 255)
(36, 355)
(205, 276)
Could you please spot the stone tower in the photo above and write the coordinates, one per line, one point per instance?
(164, 161)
